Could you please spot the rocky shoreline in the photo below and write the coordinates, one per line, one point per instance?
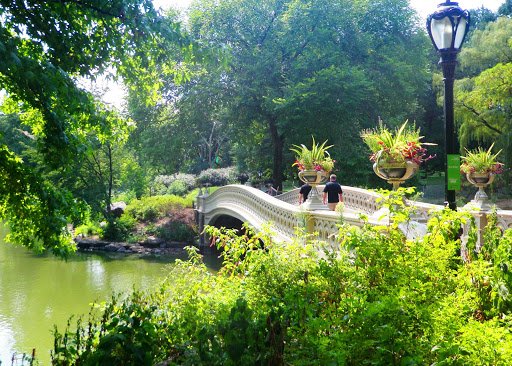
(150, 247)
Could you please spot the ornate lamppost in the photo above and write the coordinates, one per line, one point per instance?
(447, 28)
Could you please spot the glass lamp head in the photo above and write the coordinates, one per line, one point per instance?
(448, 26)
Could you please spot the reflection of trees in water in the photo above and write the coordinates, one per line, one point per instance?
(37, 292)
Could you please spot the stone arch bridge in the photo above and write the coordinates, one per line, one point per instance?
(231, 205)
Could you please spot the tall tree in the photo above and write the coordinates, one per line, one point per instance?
(44, 48)
(302, 67)
(483, 99)
(505, 8)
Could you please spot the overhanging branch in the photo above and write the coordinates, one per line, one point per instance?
(481, 119)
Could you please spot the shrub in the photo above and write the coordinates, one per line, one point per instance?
(178, 188)
(177, 184)
(119, 229)
(88, 229)
(130, 332)
(126, 197)
(177, 231)
(380, 299)
(152, 208)
(217, 177)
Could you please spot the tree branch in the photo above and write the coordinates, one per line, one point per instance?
(482, 120)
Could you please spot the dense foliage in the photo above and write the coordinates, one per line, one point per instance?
(234, 83)
(217, 177)
(167, 217)
(293, 69)
(379, 299)
(177, 184)
(482, 93)
(46, 48)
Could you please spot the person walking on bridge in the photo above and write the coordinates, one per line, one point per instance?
(304, 192)
(332, 193)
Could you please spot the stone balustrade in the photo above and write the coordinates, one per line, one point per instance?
(505, 219)
(258, 209)
(356, 199)
(250, 205)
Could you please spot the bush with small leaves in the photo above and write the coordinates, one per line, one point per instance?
(119, 229)
(217, 177)
(177, 188)
(178, 184)
(152, 208)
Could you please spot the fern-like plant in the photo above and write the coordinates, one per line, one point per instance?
(315, 158)
(481, 161)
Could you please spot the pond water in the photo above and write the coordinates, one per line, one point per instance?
(37, 292)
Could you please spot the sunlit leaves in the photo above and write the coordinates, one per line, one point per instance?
(45, 47)
(483, 100)
(299, 67)
(488, 47)
(35, 211)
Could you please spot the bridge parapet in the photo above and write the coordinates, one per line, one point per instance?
(357, 199)
(361, 200)
(505, 219)
(291, 197)
(250, 205)
(258, 209)
(422, 210)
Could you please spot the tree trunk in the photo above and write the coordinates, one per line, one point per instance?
(110, 179)
(277, 151)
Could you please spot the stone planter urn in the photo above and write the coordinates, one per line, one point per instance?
(480, 180)
(313, 178)
(394, 172)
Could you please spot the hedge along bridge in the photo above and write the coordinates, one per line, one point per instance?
(232, 205)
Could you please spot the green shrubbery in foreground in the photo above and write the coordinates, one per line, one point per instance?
(379, 300)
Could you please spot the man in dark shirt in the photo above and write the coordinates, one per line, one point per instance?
(304, 192)
(332, 193)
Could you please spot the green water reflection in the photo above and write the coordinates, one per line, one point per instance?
(37, 292)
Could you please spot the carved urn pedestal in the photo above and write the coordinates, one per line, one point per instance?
(479, 206)
(480, 180)
(313, 178)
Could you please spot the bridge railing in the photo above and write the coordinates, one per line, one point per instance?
(356, 199)
(258, 208)
(250, 205)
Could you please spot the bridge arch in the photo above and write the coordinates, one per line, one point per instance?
(257, 208)
(227, 221)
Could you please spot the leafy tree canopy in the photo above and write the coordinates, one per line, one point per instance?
(483, 97)
(297, 67)
(45, 47)
(487, 47)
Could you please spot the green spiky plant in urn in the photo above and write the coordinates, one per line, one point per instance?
(480, 167)
(314, 166)
(396, 154)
